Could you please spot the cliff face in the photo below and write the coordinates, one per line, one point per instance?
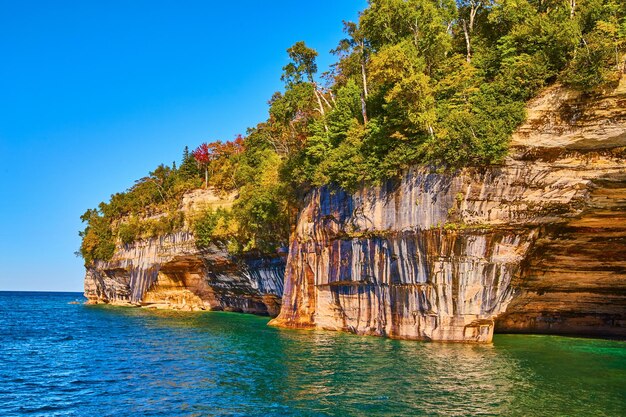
(537, 244)
(171, 272)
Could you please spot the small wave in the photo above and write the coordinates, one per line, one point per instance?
(47, 407)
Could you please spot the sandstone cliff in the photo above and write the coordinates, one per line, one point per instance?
(537, 244)
(171, 272)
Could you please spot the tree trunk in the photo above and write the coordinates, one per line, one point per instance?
(320, 106)
(206, 177)
(330, 106)
(473, 12)
(364, 108)
(467, 41)
(159, 190)
(416, 34)
(364, 95)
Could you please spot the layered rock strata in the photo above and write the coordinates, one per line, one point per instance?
(171, 272)
(537, 244)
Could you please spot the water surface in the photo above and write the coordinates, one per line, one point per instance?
(75, 360)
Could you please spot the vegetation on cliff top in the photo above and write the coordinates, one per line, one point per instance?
(437, 82)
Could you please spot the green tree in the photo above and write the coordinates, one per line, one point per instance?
(303, 68)
(355, 48)
(97, 238)
(188, 167)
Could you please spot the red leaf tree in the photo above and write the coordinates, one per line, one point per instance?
(207, 153)
(203, 155)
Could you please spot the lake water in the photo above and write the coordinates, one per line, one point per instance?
(74, 360)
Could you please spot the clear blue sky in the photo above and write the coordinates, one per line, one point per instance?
(94, 94)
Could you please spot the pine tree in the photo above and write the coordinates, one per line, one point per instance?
(188, 167)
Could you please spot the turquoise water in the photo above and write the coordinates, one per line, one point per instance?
(76, 360)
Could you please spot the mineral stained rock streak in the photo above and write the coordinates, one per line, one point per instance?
(537, 244)
(171, 272)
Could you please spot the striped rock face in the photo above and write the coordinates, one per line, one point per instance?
(171, 272)
(537, 244)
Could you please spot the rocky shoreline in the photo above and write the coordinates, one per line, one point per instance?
(535, 245)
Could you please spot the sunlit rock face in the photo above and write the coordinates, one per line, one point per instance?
(171, 272)
(537, 244)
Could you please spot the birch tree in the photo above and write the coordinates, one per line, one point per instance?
(303, 68)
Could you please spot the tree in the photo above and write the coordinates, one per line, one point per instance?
(303, 68)
(424, 22)
(468, 10)
(189, 167)
(203, 155)
(97, 237)
(356, 44)
(601, 40)
(409, 104)
(224, 163)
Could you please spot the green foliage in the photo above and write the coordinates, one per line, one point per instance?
(97, 238)
(214, 227)
(302, 66)
(262, 211)
(129, 232)
(156, 195)
(594, 64)
(443, 93)
(430, 82)
(189, 168)
(164, 224)
(346, 165)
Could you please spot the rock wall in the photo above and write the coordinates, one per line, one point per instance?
(171, 272)
(537, 244)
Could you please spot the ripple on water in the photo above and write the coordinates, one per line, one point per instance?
(60, 359)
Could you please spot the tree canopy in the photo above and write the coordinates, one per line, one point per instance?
(441, 83)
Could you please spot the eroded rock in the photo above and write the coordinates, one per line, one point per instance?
(535, 245)
(171, 272)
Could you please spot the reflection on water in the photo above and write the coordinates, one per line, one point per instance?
(77, 360)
